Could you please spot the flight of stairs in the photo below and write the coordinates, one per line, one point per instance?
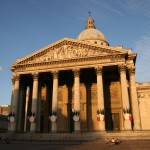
(77, 137)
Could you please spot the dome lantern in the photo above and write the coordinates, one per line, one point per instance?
(91, 34)
(90, 23)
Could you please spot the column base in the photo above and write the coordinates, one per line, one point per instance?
(12, 127)
(33, 127)
(127, 125)
(76, 126)
(101, 125)
(53, 127)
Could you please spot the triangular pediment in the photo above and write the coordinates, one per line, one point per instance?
(67, 48)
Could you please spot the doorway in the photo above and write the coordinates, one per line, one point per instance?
(115, 121)
(112, 121)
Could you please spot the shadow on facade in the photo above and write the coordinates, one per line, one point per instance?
(65, 123)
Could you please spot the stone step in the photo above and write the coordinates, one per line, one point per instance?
(78, 137)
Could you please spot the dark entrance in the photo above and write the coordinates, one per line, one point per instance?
(115, 121)
(70, 120)
(108, 120)
(42, 122)
(112, 121)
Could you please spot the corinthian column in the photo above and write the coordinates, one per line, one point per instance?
(14, 102)
(34, 101)
(125, 97)
(26, 109)
(12, 94)
(54, 101)
(76, 72)
(100, 98)
(134, 99)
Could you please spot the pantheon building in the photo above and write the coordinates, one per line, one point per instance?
(78, 85)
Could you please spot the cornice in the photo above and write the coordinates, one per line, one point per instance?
(143, 86)
(64, 61)
(132, 57)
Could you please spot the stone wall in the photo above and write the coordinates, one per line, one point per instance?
(143, 91)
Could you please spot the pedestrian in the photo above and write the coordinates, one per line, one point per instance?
(117, 141)
(107, 141)
(112, 141)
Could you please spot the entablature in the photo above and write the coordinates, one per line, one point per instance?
(86, 61)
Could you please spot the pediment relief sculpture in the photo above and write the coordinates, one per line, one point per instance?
(67, 49)
(69, 52)
(65, 52)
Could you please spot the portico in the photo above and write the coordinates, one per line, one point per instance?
(77, 85)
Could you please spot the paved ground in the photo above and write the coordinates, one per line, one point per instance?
(95, 145)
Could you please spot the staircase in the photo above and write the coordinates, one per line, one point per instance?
(77, 137)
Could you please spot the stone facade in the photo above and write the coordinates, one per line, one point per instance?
(76, 85)
(143, 90)
(4, 109)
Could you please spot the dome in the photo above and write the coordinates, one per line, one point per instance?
(91, 34)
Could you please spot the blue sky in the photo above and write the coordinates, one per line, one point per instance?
(28, 25)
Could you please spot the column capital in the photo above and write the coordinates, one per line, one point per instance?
(76, 71)
(13, 79)
(55, 74)
(35, 75)
(99, 70)
(122, 68)
(131, 70)
(16, 77)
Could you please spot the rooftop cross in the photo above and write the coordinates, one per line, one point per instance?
(89, 14)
